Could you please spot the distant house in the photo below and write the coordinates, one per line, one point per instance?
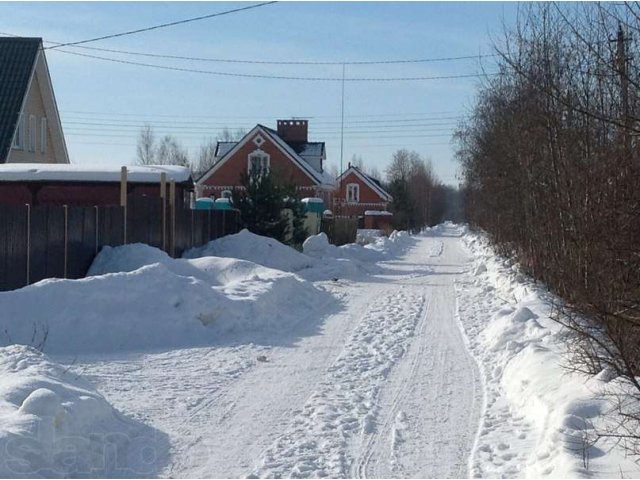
(286, 152)
(82, 185)
(30, 128)
(358, 193)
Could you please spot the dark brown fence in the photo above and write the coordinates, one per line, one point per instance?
(52, 241)
(340, 230)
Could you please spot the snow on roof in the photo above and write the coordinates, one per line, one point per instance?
(377, 213)
(223, 147)
(308, 149)
(42, 172)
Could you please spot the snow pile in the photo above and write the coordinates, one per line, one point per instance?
(367, 235)
(139, 298)
(53, 424)
(255, 248)
(539, 419)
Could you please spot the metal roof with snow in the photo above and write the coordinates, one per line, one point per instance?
(17, 62)
(50, 172)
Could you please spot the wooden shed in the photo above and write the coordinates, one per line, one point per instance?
(83, 185)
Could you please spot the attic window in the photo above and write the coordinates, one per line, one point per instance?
(258, 163)
(258, 140)
(32, 133)
(18, 138)
(43, 135)
(353, 193)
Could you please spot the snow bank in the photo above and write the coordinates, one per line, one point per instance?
(139, 298)
(255, 248)
(539, 418)
(53, 424)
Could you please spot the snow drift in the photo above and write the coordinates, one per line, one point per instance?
(254, 248)
(539, 419)
(139, 298)
(53, 424)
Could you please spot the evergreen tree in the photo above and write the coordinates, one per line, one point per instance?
(261, 202)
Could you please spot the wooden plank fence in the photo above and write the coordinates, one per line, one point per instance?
(60, 241)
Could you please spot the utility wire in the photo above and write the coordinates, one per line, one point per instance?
(265, 62)
(278, 77)
(420, 117)
(280, 62)
(164, 25)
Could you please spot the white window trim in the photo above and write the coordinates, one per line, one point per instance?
(18, 138)
(43, 135)
(226, 194)
(32, 133)
(261, 154)
(357, 192)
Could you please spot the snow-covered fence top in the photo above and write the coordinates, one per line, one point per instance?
(43, 172)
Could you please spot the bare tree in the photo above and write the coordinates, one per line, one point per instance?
(206, 158)
(170, 152)
(551, 168)
(146, 149)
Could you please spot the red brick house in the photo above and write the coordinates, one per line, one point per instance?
(285, 152)
(358, 192)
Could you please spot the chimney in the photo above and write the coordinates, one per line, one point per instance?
(293, 130)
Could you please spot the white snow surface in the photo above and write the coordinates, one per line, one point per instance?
(424, 356)
(14, 172)
(54, 424)
(539, 418)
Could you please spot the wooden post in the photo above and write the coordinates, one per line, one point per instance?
(97, 227)
(28, 243)
(66, 238)
(163, 199)
(172, 206)
(123, 200)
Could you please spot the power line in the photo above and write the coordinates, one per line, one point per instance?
(374, 115)
(163, 25)
(202, 126)
(266, 62)
(316, 126)
(277, 77)
(358, 136)
(281, 62)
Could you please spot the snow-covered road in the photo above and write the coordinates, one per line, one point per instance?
(383, 386)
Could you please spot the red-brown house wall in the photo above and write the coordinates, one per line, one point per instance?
(369, 199)
(228, 175)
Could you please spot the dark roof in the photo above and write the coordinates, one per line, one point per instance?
(308, 149)
(223, 147)
(17, 58)
(304, 149)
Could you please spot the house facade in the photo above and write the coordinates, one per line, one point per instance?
(358, 193)
(30, 127)
(285, 152)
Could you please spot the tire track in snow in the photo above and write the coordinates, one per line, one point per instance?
(372, 440)
(432, 401)
(317, 441)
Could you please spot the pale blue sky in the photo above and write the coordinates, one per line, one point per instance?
(103, 104)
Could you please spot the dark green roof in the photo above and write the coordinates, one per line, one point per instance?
(17, 59)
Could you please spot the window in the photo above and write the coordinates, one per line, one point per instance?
(32, 133)
(353, 193)
(258, 162)
(18, 138)
(43, 135)
(226, 194)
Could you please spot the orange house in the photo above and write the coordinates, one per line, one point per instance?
(285, 152)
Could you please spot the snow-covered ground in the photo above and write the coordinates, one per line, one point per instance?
(419, 356)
